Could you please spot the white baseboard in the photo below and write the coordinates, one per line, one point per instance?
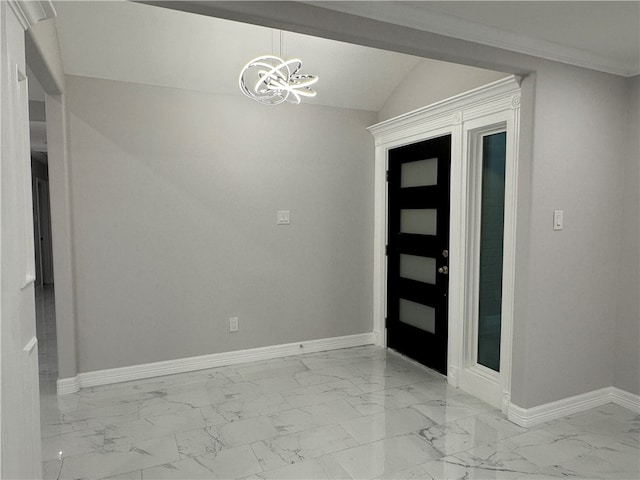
(625, 399)
(190, 364)
(64, 386)
(529, 417)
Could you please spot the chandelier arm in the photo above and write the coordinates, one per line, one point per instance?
(277, 80)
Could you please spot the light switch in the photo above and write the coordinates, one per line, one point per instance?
(558, 219)
(284, 217)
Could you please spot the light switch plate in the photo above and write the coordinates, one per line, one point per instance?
(558, 219)
(233, 324)
(284, 217)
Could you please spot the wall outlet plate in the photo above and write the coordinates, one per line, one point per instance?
(284, 217)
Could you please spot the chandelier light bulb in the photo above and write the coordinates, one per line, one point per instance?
(274, 80)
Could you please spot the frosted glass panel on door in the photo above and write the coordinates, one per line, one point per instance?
(420, 221)
(418, 315)
(422, 269)
(419, 174)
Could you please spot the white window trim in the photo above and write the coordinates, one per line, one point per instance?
(464, 117)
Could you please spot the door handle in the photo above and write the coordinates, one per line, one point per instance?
(444, 270)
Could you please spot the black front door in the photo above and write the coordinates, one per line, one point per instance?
(418, 251)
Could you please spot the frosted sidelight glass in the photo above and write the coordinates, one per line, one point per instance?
(418, 315)
(421, 221)
(419, 174)
(422, 269)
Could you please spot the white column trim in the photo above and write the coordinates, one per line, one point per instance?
(30, 12)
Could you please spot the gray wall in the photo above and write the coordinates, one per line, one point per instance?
(571, 158)
(431, 81)
(627, 341)
(566, 322)
(175, 196)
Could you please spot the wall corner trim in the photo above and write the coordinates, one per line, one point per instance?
(529, 417)
(191, 364)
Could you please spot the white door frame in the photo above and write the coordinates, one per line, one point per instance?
(466, 117)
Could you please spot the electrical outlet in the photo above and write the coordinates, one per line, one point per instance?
(284, 217)
(233, 324)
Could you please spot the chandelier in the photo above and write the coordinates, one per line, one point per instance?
(271, 80)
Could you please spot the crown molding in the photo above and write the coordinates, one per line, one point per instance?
(499, 95)
(413, 16)
(30, 12)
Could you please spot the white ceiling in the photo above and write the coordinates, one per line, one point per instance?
(601, 35)
(125, 41)
(128, 41)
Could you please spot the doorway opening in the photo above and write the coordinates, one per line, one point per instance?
(43, 248)
(417, 250)
(483, 125)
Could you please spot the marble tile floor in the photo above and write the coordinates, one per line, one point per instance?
(361, 413)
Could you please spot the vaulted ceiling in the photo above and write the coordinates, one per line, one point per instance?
(134, 42)
(126, 41)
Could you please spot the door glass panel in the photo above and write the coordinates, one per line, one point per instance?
(491, 244)
(421, 221)
(418, 315)
(422, 269)
(419, 174)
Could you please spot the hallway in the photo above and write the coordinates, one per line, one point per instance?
(47, 340)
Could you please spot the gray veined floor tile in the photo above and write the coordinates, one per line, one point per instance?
(489, 461)
(270, 369)
(305, 445)
(216, 438)
(451, 468)
(616, 460)
(121, 459)
(546, 449)
(384, 458)
(195, 396)
(225, 464)
(136, 475)
(152, 427)
(319, 362)
(298, 419)
(326, 467)
(469, 432)
(73, 443)
(386, 424)
(327, 375)
(51, 469)
(254, 406)
(202, 441)
(110, 414)
(453, 408)
(51, 428)
(376, 402)
(163, 406)
(321, 393)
